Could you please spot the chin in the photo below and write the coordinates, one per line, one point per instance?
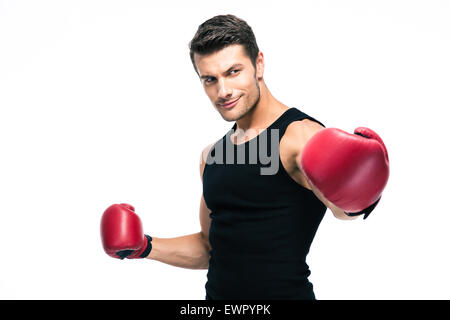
(229, 117)
(233, 115)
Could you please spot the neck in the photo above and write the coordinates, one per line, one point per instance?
(264, 113)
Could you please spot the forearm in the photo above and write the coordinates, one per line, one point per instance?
(190, 251)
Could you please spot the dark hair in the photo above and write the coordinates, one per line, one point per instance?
(222, 31)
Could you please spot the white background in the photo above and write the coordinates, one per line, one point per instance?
(100, 104)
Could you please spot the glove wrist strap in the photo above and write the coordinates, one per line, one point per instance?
(365, 211)
(148, 248)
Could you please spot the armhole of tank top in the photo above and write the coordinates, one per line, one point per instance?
(207, 158)
(281, 162)
(204, 169)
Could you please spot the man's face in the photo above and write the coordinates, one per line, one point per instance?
(230, 81)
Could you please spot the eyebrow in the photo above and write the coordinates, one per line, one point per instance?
(236, 65)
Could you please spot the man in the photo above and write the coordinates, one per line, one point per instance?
(257, 226)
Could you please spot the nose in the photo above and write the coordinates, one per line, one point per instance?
(225, 91)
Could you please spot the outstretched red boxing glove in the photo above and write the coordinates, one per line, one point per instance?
(121, 233)
(350, 170)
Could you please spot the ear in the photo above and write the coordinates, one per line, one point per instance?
(259, 65)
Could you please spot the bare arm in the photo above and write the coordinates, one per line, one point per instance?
(190, 251)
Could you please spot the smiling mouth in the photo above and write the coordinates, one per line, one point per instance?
(230, 104)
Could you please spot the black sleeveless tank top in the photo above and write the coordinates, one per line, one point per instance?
(262, 221)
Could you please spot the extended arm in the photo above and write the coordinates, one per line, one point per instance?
(347, 171)
(123, 237)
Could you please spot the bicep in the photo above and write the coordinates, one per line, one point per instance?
(205, 220)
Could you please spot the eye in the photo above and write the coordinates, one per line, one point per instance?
(237, 70)
(209, 79)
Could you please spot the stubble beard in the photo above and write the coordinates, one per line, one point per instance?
(247, 108)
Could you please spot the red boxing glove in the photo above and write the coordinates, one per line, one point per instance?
(121, 233)
(350, 170)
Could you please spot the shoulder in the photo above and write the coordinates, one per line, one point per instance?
(303, 127)
(205, 152)
(203, 157)
(298, 133)
(294, 139)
